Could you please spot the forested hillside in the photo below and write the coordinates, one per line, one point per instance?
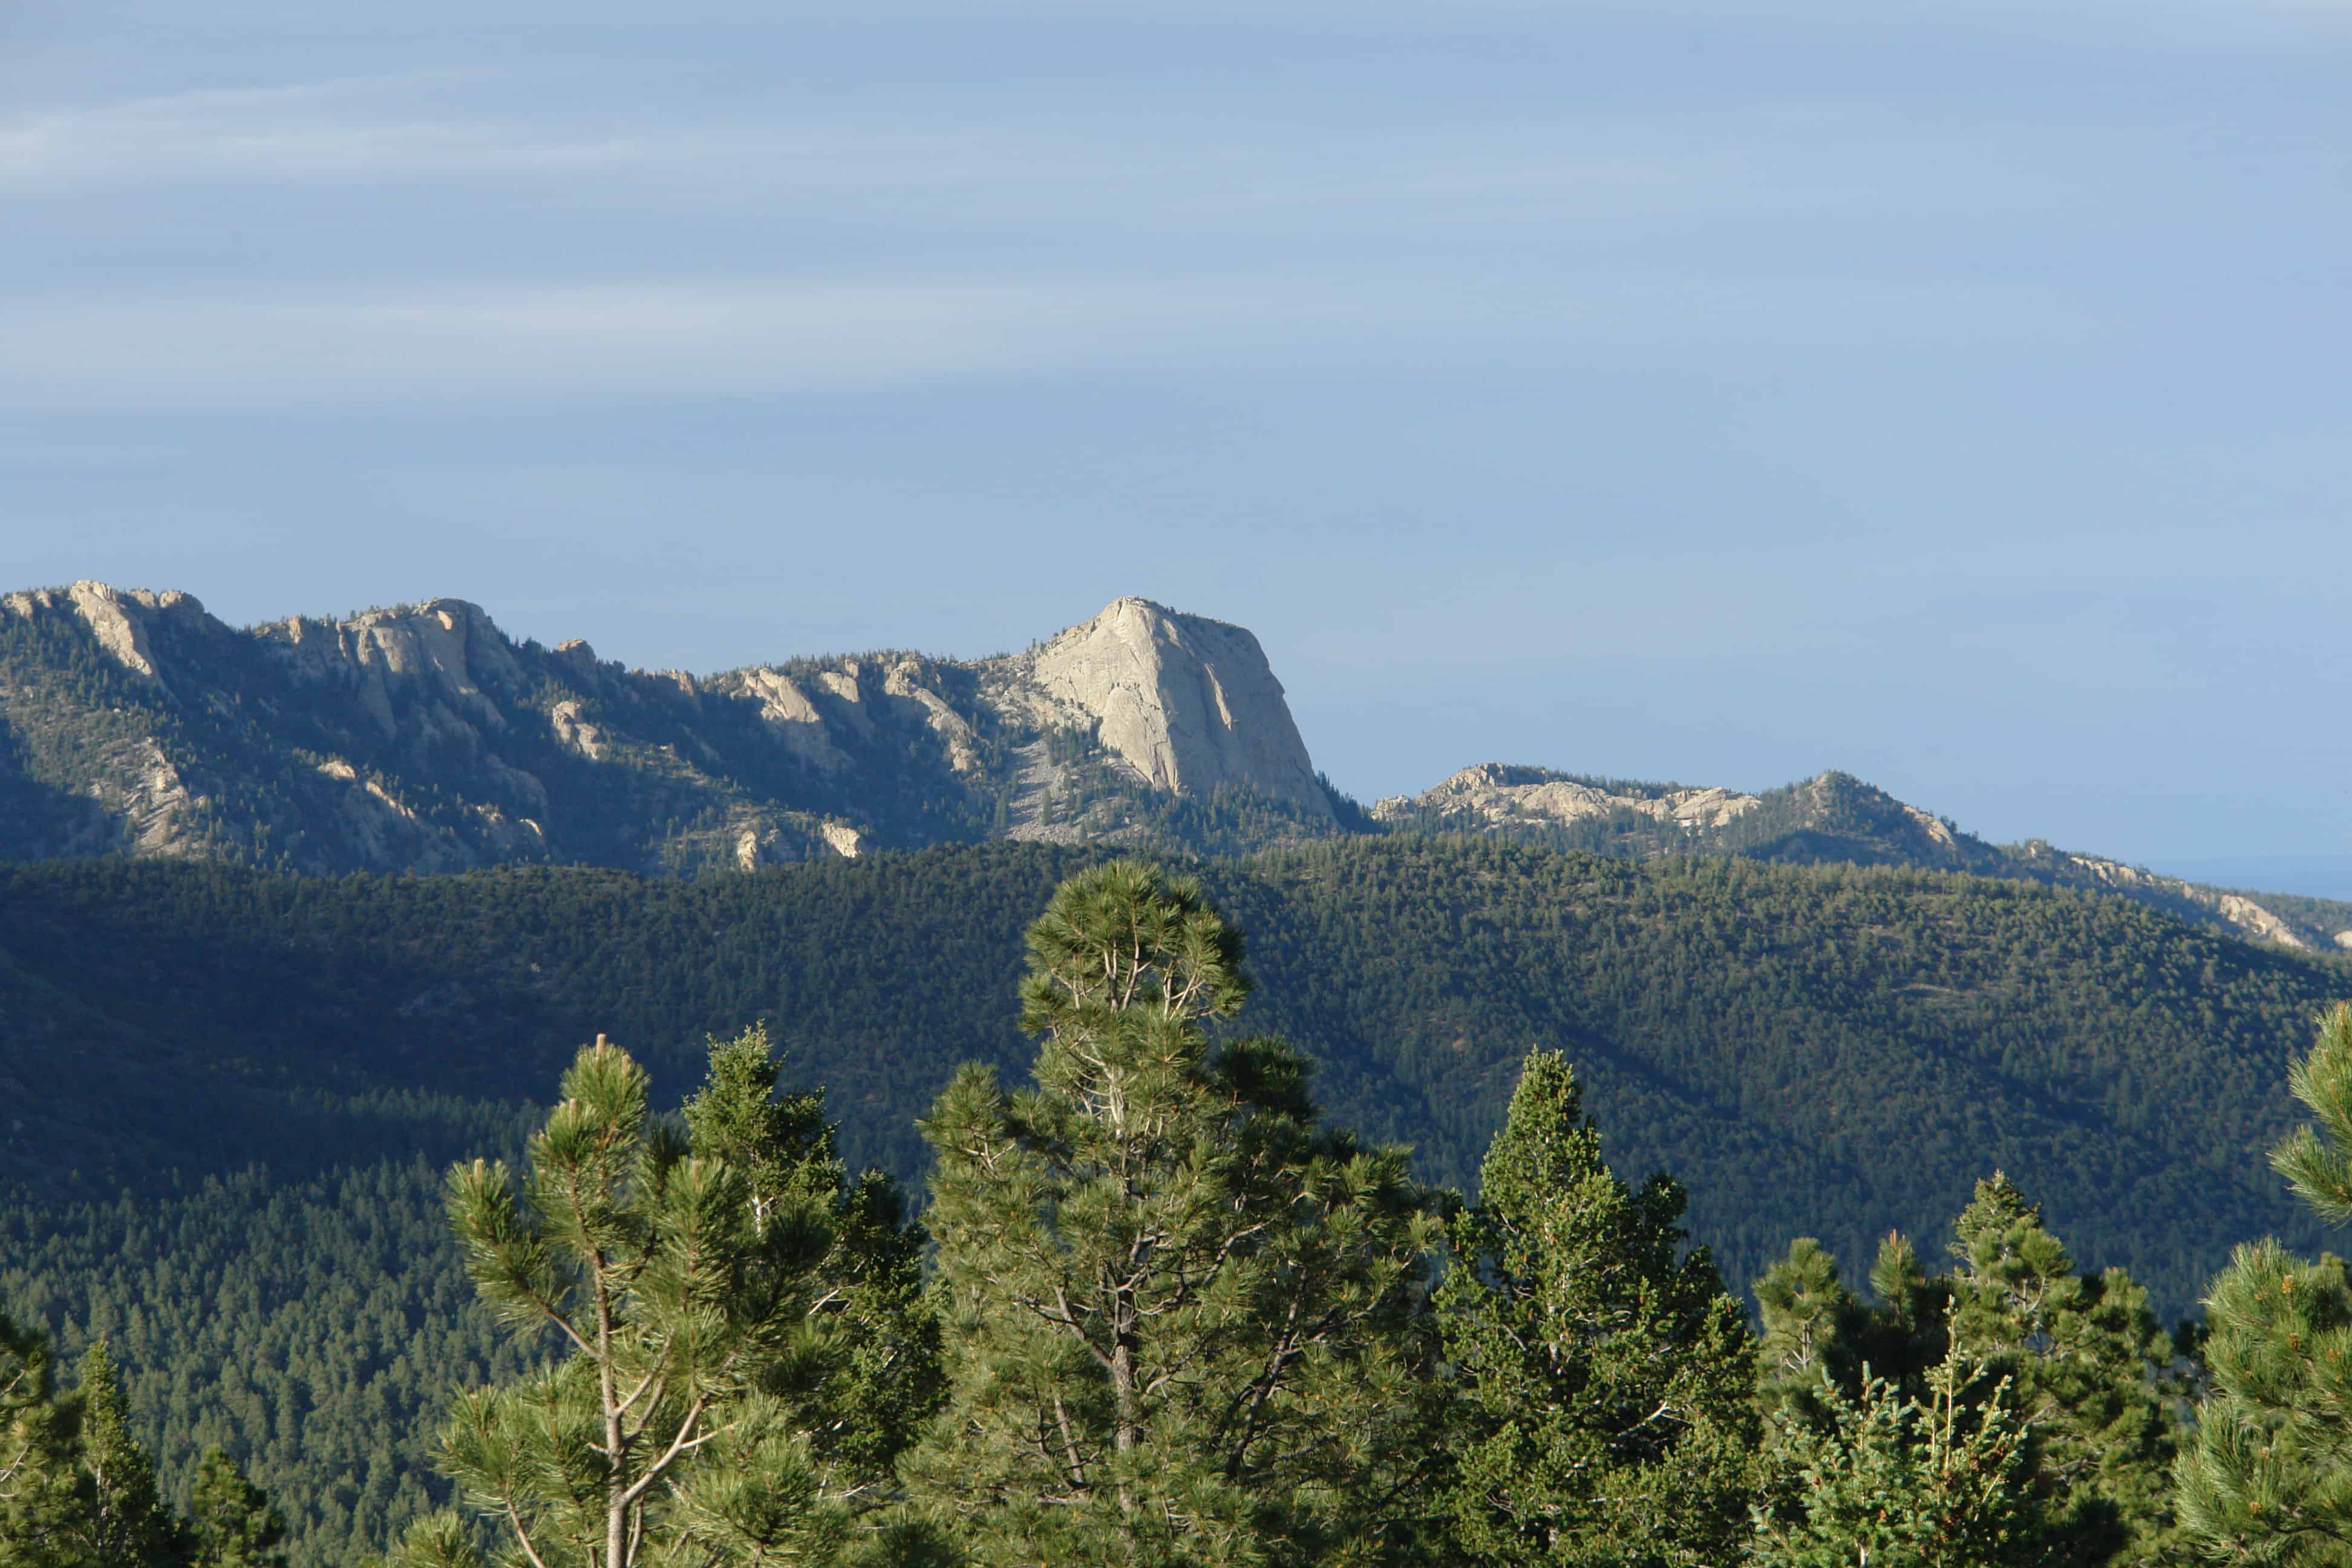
(1828, 1051)
(1865, 1037)
(1833, 819)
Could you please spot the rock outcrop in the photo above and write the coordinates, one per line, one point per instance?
(1190, 704)
(1830, 818)
(421, 737)
(1494, 795)
(120, 621)
(2247, 915)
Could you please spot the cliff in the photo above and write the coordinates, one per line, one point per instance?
(421, 737)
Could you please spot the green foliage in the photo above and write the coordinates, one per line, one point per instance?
(670, 1430)
(881, 1377)
(2317, 1161)
(1183, 1319)
(1813, 1327)
(2085, 1361)
(314, 1330)
(231, 1522)
(1899, 1481)
(2085, 1426)
(42, 1504)
(1604, 1378)
(124, 1523)
(1966, 1023)
(1828, 1052)
(2267, 1479)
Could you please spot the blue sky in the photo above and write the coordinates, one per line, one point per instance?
(1953, 394)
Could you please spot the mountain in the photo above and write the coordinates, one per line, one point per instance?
(422, 738)
(1833, 819)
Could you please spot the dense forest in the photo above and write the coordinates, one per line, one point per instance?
(1174, 1315)
(243, 1086)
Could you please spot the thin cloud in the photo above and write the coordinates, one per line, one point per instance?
(652, 341)
(401, 127)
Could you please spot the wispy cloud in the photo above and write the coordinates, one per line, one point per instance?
(655, 340)
(419, 126)
(246, 347)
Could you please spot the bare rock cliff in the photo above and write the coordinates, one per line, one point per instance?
(1189, 703)
(421, 737)
(1494, 795)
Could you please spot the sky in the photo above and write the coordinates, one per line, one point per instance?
(1710, 390)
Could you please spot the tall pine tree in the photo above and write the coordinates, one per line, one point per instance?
(2086, 1364)
(879, 1379)
(1605, 1377)
(1186, 1319)
(231, 1522)
(43, 1508)
(125, 1523)
(686, 1293)
(2267, 1476)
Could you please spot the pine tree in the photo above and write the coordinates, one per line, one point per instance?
(1893, 1482)
(232, 1524)
(43, 1512)
(668, 1429)
(2267, 1476)
(1606, 1378)
(1907, 1334)
(125, 1523)
(881, 1379)
(1812, 1326)
(1186, 1321)
(2086, 1360)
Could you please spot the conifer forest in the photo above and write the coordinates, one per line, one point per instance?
(1175, 783)
(1164, 1266)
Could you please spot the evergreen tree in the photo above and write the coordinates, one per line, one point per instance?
(668, 1429)
(124, 1523)
(42, 1510)
(1899, 1482)
(1811, 1324)
(2086, 1360)
(2267, 1476)
(1606, 1379)
(881, 1378)
(1907, 1334)
(231, 1523)
(1187, 1322)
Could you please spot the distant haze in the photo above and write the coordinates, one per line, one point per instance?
(2313, 876)
(1714, 390)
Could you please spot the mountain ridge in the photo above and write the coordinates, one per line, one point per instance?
(421, 737)
(1832, 816)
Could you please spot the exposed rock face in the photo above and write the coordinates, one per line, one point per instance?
(1833, 817)
(1492, 795)
(2244, 914)
(119, 621)
(422, 738)
(792, 719)
(1188, 702)
(444, 651)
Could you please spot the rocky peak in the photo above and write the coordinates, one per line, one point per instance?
(1187, 702)
(448, 645)
(122, 620)
(1496, 794)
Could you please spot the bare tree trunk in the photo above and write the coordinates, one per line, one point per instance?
(616, 1480)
